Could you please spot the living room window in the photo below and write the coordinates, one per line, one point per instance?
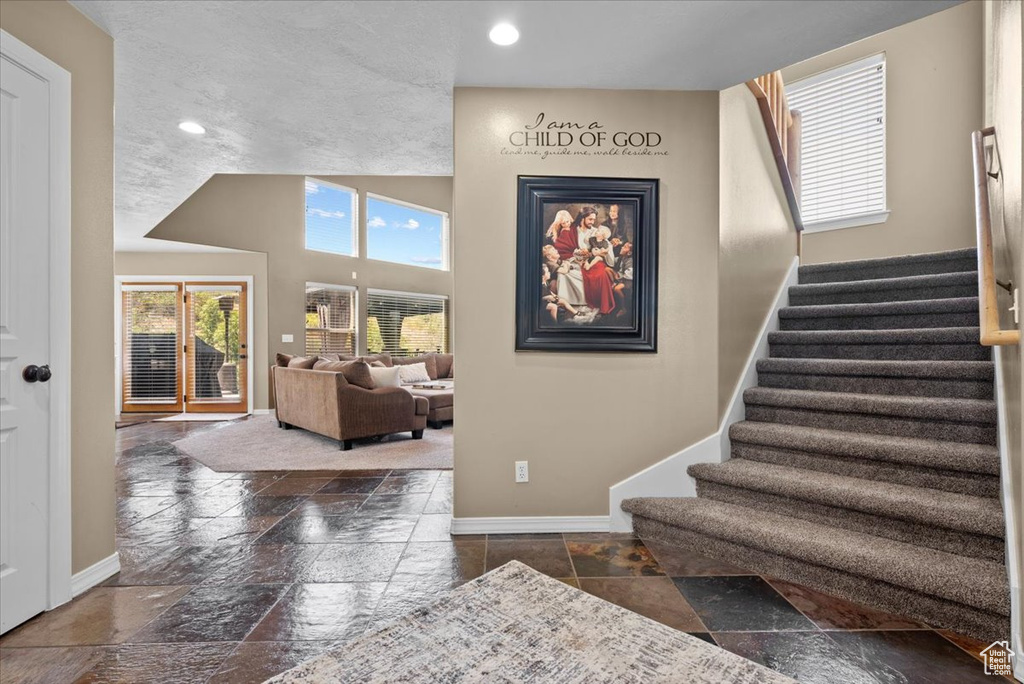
(331, 218)
(842, 145)
(330, 319)
(406, 324)
(404, 233)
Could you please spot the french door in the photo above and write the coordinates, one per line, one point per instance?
(184, 347)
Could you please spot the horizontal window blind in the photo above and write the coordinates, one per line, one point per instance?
(330, 319)
(842, 145)
(406, 324)
(151, 339)
(330, 218)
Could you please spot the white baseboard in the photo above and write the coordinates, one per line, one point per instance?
(95, 573)
(262, 412)
(668, 477)
(530, 524)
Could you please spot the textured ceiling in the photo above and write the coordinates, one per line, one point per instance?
(365, 87)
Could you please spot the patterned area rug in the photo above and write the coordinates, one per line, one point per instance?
(258, 444)
(516, 625)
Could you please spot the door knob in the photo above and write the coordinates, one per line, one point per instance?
(35, 373)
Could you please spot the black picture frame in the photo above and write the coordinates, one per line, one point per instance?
(628, 325)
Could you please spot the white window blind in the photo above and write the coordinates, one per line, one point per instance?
(330, 319)
(406, 324)
(151, 324)
(842, 145)
(331, 218)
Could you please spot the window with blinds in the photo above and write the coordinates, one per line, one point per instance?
(330, 319)
(406, 324)
(151, 341)
(842, 145)
(331, 218)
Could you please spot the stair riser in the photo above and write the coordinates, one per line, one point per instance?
(935, 611)
(897, 270)
(918, 387)
(972, 484)
(881, 352)
(930, 536)
(898, 322)
(798, 298)
(976, 433)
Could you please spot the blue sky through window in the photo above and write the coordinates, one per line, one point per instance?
(330, 218)
(403, 235)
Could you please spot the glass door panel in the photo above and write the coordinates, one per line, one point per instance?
(216, 351)
(151, 348)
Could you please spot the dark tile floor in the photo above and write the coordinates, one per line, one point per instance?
(234, 577)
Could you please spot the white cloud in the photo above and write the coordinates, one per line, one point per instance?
(376, 222)
(411, 224)
(426, 260)
(311, 187)
(326, 214)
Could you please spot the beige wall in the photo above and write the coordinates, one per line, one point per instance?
(266, 213)
(1004, 24)
(757, 239)
(934, 95)
(584, 421)
(61, 33)
(199, 264)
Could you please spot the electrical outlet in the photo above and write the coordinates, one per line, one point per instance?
(287, 338)
(522, 471)
(353, 275)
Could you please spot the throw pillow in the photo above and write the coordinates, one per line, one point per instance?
(378, 364)
(426, 359)
(444, 365)
(305, 362)
(330, 357)
(385, 377)
(283, 359)
(355, 372)
(384, 358)
(414, 372)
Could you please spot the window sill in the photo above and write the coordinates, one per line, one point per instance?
(857, 221)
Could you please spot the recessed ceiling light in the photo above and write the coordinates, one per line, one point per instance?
(504, 34)
(191, 127)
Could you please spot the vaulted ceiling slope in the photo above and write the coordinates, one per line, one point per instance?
(366, 87)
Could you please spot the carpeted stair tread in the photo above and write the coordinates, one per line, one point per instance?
(926, 408)
(931, 286)
(910, 344)
(919, 313)
(977, 515)
(929, 453)
(915, 336)
(945, 370)
(888, 267)
(904, 565)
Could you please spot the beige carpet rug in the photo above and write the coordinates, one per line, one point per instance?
(516, 625)
(258, 444)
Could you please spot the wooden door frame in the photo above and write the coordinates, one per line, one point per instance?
(58, 81)
(169, 279)
(179, 405)
(192, 406)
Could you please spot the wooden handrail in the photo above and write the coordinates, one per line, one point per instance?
(783, 127)
(988, 309)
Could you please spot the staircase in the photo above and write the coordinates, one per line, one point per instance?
(867, 465)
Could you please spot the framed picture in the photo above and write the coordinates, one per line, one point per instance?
(587, 264)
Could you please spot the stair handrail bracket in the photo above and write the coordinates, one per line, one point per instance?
(988, 308)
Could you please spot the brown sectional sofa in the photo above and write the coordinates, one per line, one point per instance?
(324, 402)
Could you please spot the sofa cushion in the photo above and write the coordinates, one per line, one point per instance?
(426, 359)
(355, 372)
(283, 359)
(385, 377)
(441, 398)
(306, 362)
(444, 365)
(384, 358)
(414, 372)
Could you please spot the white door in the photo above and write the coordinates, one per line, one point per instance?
(24, 341)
